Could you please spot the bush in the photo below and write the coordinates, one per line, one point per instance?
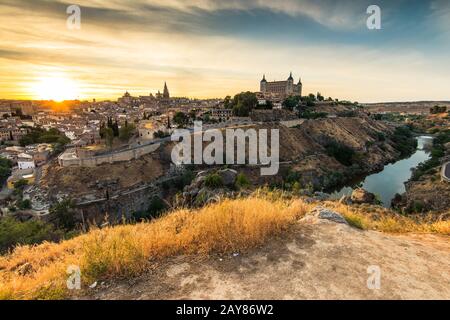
(347, 113)
(39, 135)
(13, 232)
(5, 169)
(404, 142)
(437, 153)
(126, 132)
(213, 180)
(380, 136)
(340, 152)
(24, 204)
(63, 214)
(156, 207)
(312, 115)
(180, 182)
(242, 181)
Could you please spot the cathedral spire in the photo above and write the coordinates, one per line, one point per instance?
(166, 91)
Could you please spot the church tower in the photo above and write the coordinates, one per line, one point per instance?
(263, 84)
(166, 92)
(299, 86)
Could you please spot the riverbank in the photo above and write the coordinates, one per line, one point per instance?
(389, 181)
(426, 191)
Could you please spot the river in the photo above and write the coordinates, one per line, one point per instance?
(386, 183)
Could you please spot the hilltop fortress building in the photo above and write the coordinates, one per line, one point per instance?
(281, 88)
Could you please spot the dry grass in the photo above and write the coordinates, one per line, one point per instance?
(384, 220)
(126, 250)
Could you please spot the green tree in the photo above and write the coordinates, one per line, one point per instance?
(291, 102)
(13, 232)
(342, 153)
(5, 169)
(64, 215)
(180, 119)
(108, 135)
(243, 103)
(39, 135)
(126, 132)
(227, 103)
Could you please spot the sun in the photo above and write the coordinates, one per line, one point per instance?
(56, 88)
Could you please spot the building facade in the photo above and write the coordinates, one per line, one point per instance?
(281, 88)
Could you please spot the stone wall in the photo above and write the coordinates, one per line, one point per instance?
(118, 206)
(117, 156)
(272, 115)
(292, 123)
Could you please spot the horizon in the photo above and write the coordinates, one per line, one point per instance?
(208, 49)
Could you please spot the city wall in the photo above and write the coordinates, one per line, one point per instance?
(117, 156)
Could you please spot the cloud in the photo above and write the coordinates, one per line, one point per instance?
(213, 48)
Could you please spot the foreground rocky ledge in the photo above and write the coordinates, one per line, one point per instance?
(320, 258)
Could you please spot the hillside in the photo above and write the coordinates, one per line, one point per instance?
(408, 107)
(324, 260)
(303, 148)
(271, 239)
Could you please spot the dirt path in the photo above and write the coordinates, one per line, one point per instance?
(315, 261)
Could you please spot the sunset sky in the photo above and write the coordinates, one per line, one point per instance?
(213, 48)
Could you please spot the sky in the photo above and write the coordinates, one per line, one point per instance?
(214, 48)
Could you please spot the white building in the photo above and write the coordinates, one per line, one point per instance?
(25, 161)
(147, 129)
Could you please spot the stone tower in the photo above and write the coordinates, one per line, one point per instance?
(263, 84)
(166, 92)
(290, 85)
(299, 86)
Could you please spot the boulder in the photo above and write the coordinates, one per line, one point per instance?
(228, 177)
(326, 214)
(362, 196)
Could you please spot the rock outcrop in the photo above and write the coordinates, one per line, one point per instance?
(362, 196)
(325, 214)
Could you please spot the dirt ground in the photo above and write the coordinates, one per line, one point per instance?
(324, 260)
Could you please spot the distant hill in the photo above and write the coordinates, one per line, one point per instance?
(409, 107)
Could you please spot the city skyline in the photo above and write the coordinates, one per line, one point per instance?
(210, 49)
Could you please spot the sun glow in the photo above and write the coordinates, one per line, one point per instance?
(57, 88)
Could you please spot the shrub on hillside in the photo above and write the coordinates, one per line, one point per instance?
(213, 180)
(242, 181)
(404, 141)
(13, 233)
(342, 153)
